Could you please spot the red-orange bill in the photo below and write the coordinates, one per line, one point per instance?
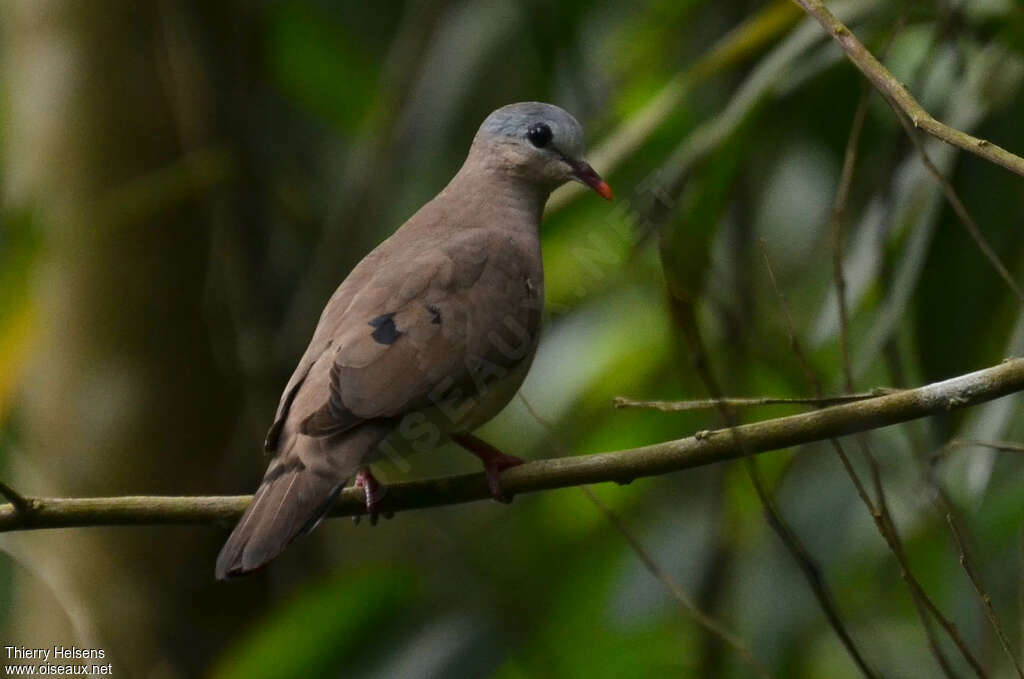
(586, 175)
(603, 189)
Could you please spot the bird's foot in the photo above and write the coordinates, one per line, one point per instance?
(374, 494)
(494, 461)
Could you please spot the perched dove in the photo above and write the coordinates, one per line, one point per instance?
(429, 337)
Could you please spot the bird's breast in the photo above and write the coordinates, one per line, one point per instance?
(456, 409)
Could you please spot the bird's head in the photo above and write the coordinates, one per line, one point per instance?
(539, 142)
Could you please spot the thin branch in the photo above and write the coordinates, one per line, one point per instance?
(794, 343)
(880, 515)
(18, 501)
(887, 528)
(1020, 589)
(961, 211)
(886, 83)
(986, 600)
(1001, 446)
(922, 602)
(686, 320)
(838, 235)
(702, 618)
(838, 217)
(946, 508)
(704, 448)
(879, 512)
(812, 377)
(744, 402)
(675, 589)
(883, 518)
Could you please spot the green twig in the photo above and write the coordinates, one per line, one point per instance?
(743, 402)
(677, 591)
(704, 448)
(886, 83)
(879, 509)
(20, 503)
(986, 600)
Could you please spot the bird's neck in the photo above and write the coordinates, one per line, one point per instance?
(499, 194)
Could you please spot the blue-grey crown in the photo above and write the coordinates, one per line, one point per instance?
(515, 119)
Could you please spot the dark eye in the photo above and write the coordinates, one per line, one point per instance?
(539, 135)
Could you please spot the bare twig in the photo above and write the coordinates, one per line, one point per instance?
(1002, 446)
(652, 566)
(886, 83)
(686, 320)
(704, 448)
(944, 506)
(794, 343)
(887, 528)
(960, 210)
(17, 500)
(881, 515)
(1020, 583)
(837, 218)
(702, 618)
(837, 221)
(879, 512)
(742, 402)
(986, 600)
(922, 603)
(812, 377)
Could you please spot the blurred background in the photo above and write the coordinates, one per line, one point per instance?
(184, 184)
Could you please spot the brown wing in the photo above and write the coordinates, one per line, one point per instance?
(323, 337)
(463, 311)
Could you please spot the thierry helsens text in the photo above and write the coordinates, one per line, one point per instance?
(53, 653)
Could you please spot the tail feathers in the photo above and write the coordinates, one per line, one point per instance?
(299, 487)
(291, 500)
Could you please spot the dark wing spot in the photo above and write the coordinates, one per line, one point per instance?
(385, 331)
(435, 314)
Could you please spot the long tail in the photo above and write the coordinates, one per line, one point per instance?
(293, 497)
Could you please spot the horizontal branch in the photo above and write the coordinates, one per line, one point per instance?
(747, 402)
(886, 83)
(704, 448)
(1001, 446)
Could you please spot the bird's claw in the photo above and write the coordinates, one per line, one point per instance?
(493, 466)
(374, 494)
(494, 461)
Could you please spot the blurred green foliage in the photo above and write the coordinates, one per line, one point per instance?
(326, 626)
(320, 63)
(341, 118)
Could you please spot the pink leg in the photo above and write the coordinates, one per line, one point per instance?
(494, 462)
(374, 494)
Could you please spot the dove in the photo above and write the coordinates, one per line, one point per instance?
(428, 337)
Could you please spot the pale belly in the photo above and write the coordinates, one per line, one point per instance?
(455, 411)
